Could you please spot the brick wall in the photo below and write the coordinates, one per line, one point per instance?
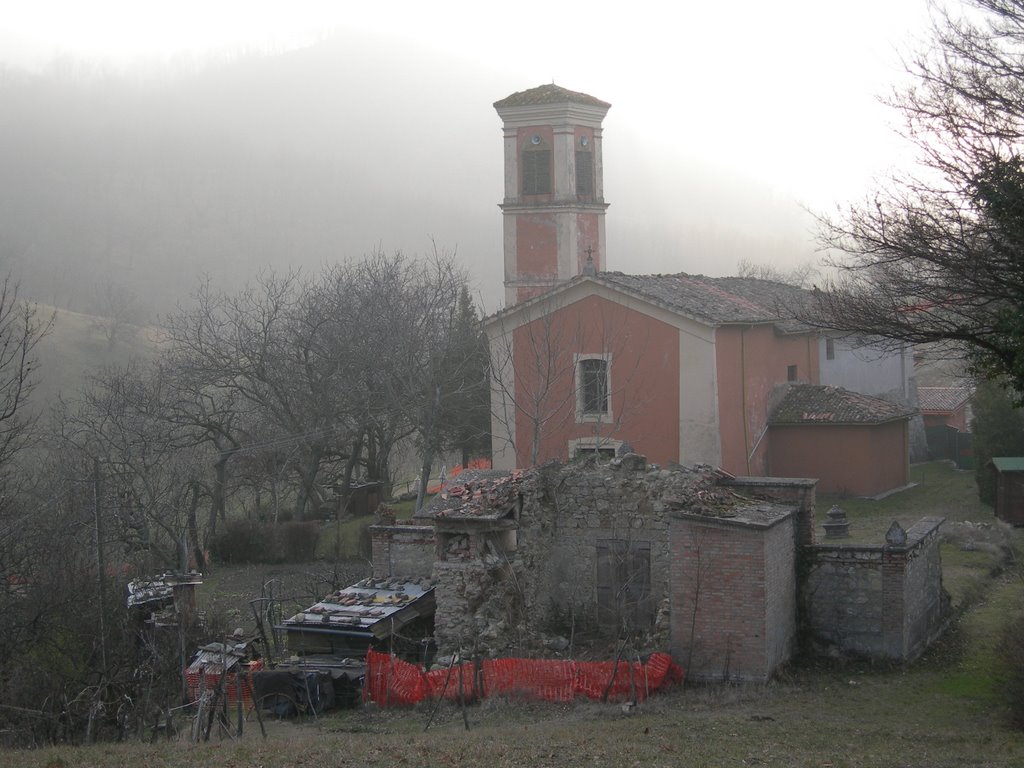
(733, 597)
(880, 601)
(402, 550)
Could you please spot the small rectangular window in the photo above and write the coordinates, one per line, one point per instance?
(584, 174)
(537, 172)
(830, 349)
(791, 373)
(594, 386)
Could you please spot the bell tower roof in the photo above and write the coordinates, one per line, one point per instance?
(554, 205)
(549, 94)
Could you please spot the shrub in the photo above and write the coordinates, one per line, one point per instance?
(244, 541)
(297, 541)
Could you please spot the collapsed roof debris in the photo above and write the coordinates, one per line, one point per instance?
(479, 494)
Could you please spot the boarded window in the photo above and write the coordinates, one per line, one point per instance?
(594, 386)
(601, 452)
(624, 598)
(537, 172)
(584, 173)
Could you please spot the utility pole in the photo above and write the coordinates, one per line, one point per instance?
(101, 561)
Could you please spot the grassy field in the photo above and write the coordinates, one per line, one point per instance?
(944, 710)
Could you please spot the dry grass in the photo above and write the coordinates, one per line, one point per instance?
(855, 716)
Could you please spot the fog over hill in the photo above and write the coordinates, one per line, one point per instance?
(147, 184)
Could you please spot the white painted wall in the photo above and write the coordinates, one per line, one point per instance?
(869, 370)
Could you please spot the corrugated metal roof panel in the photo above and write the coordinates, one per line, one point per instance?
(1009, 463)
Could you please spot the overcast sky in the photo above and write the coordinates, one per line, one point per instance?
(773, 107)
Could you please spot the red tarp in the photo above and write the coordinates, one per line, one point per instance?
(391, 681)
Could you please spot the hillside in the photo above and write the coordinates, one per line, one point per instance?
(80, 345)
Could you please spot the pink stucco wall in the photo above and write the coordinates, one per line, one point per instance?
(587, 227)
(537, 241)
(751, 361)
(851, 460)
(644, 380)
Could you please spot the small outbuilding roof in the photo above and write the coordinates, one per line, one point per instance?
(1008, 463)
(376, 607)
(818, 404)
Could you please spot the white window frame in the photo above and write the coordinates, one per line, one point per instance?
(583, 417)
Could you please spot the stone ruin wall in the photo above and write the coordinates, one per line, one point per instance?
(882, 601)
(536, 596)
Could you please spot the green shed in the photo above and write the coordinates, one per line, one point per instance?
(1009, 488)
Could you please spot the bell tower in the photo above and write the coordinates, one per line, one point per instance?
(554, 188)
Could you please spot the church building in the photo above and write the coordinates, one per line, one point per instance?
(681, 368)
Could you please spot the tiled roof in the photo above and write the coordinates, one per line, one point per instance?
(548, 94)
(720, 300)
(815, 404)
(946, 399)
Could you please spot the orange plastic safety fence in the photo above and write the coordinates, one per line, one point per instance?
(195, 684)
(391, 681)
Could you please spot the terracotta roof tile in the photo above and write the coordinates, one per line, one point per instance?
(548, 94)
(943, 398)
(720, 300)
(816, 404)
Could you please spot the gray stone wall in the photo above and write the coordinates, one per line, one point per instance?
(926, 603)
(563, 521)
(843, 599)
(536, 596)
(883, 601)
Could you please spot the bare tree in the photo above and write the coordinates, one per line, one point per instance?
(800, 276)
(269, 346)
(412, 311)
(935, 257)
(150, 470)
(116, 310)
(21, 330)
